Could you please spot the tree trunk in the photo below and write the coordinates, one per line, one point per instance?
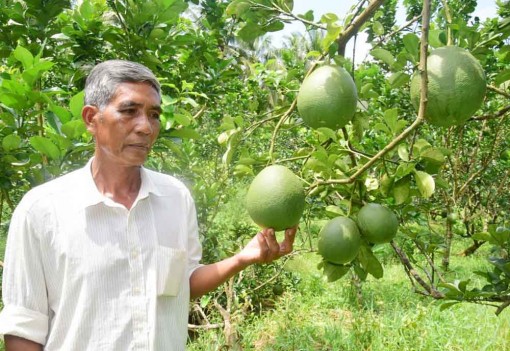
(448, 245)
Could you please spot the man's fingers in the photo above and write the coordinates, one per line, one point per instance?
(288, 243)
(272, 244)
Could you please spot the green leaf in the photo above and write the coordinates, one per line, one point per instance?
(45, 146)
(87, 10)
(502, 77)
(425, 183)
(481, 236)
(420, 145)
(446, 305)
(378, 28)
(390, 117)
(437, 38)
(238, 8)
(404, 169)
(333, 272)
(63, 114)
(333, 30)
(24, 56)
(243, 170)
(433, 155)
(74, 128)
(185, 133)
(398, 79)
(334, 210)
(383, 55)
(412, 45)
(76, 104)
(403, 153)
(329, 18)
(11, 142)
(274, 26)
(328, 133)
(370, 263)
(401, 190)
(182, 119)
(250, 31)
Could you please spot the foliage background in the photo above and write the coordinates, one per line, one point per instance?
(229, 110)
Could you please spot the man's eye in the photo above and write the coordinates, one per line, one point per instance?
(129, 111)
(155, 115)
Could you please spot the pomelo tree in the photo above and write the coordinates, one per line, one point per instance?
(230, 111)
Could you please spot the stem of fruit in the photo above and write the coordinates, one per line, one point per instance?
(448, 16)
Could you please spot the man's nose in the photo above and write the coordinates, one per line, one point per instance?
(144, 124)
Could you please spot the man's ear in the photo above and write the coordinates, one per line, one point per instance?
(90, 115)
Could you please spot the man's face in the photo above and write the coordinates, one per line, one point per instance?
(128, 126)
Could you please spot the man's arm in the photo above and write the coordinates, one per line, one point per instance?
(263, 248)
(15, 343)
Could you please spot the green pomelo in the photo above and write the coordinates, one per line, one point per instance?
(339, 240)
(378, 224)
(276, 198)
(327, 98)
(456, 86)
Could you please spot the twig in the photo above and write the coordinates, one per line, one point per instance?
(398, 30)
(281, 11)
(356, 24)
(502, 307)
(498, 114)
(205, 326)
(448, 15)
(412, 272)
(499, 91)
(375, 158)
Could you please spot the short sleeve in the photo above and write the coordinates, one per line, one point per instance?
(24, 293)
(194, 246)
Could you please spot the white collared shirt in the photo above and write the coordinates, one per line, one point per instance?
(84, 273)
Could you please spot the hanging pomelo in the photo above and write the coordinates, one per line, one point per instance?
(276, 198)
(456, 86)
(327, 98)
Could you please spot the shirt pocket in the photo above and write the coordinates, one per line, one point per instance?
(170, 267)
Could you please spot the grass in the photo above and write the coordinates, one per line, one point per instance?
(328, 316)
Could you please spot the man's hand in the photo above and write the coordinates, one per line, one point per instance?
(15, 343)
(264, 248)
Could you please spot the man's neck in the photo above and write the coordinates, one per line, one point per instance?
(119, 183)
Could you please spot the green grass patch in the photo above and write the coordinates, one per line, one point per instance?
(389, 316)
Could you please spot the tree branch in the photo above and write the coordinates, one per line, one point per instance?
(499, 91)
(412, 272)
(498, 114)
(356, 24)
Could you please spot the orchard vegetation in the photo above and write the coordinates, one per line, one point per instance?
(230, 109)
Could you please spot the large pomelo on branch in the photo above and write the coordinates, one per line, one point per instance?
(339, 240)
(377, 223)
(327, 98)
(456, 86)
(276, 198)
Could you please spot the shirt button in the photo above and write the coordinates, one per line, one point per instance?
(134, 253)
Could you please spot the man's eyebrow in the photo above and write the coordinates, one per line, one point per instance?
(130, 103)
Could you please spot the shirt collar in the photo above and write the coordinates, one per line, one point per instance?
(92, 196)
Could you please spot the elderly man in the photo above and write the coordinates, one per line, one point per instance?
(107, 257)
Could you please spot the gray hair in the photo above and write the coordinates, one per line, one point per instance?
(104, 78)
